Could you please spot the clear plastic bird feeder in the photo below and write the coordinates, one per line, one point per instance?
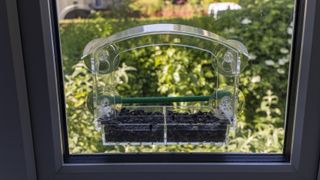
(185, 119)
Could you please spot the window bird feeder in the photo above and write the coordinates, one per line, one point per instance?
(188, 119)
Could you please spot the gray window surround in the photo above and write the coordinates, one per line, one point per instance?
(30, 113)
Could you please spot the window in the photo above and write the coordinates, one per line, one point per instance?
(295, 155)
(263, 28)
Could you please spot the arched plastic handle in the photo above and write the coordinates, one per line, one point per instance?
(158, 29)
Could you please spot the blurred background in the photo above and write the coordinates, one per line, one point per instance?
(264, 26)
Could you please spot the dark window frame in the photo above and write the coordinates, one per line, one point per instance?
(39, 57)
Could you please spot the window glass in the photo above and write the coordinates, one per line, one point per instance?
(179, 92)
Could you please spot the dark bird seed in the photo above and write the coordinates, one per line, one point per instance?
(139, 126)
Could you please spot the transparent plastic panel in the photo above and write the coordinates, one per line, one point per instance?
(166, 117)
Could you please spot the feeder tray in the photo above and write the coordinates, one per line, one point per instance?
(199, 119)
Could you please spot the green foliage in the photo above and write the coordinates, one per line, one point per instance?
(265, 27)
(147, 7)
(74, 38)
(122, 9)
(175, 71)
(81, 129)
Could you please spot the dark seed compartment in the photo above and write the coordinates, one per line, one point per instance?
(163, 125)
(134, 126)
(200, 127)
